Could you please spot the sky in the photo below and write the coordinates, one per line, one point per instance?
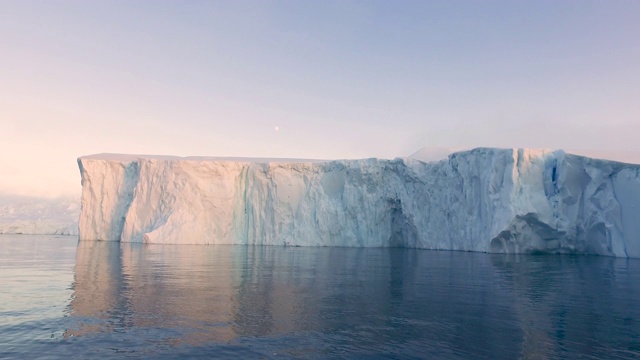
(308, 79)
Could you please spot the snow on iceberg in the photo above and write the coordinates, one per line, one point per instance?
(488, 200)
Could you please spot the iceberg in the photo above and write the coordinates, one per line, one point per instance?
(38, 215)
(484, 199)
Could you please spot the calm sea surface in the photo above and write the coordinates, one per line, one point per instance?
(96, 300)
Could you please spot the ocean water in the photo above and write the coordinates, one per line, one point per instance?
(60, 298)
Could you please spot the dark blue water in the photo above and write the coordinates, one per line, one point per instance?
(63, 299)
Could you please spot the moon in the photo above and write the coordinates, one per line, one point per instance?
(277, 128)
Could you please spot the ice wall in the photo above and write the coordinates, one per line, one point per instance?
(492, 200)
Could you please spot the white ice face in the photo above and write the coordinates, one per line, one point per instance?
(491, 200)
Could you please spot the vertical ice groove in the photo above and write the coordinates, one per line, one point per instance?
(615, 197)
(107, 192)
(132, 178)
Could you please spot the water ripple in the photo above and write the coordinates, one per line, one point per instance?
(60, 298)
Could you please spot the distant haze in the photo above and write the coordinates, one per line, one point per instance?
(308, 79)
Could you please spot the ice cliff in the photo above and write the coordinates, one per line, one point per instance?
(489, 200)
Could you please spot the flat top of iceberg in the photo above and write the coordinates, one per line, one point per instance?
(432, 154)
(628, 157)
(132, 157)
(426, 154)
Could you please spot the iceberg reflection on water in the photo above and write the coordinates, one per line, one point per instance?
(318, 302)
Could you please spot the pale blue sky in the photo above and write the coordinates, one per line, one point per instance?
(340, 79)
